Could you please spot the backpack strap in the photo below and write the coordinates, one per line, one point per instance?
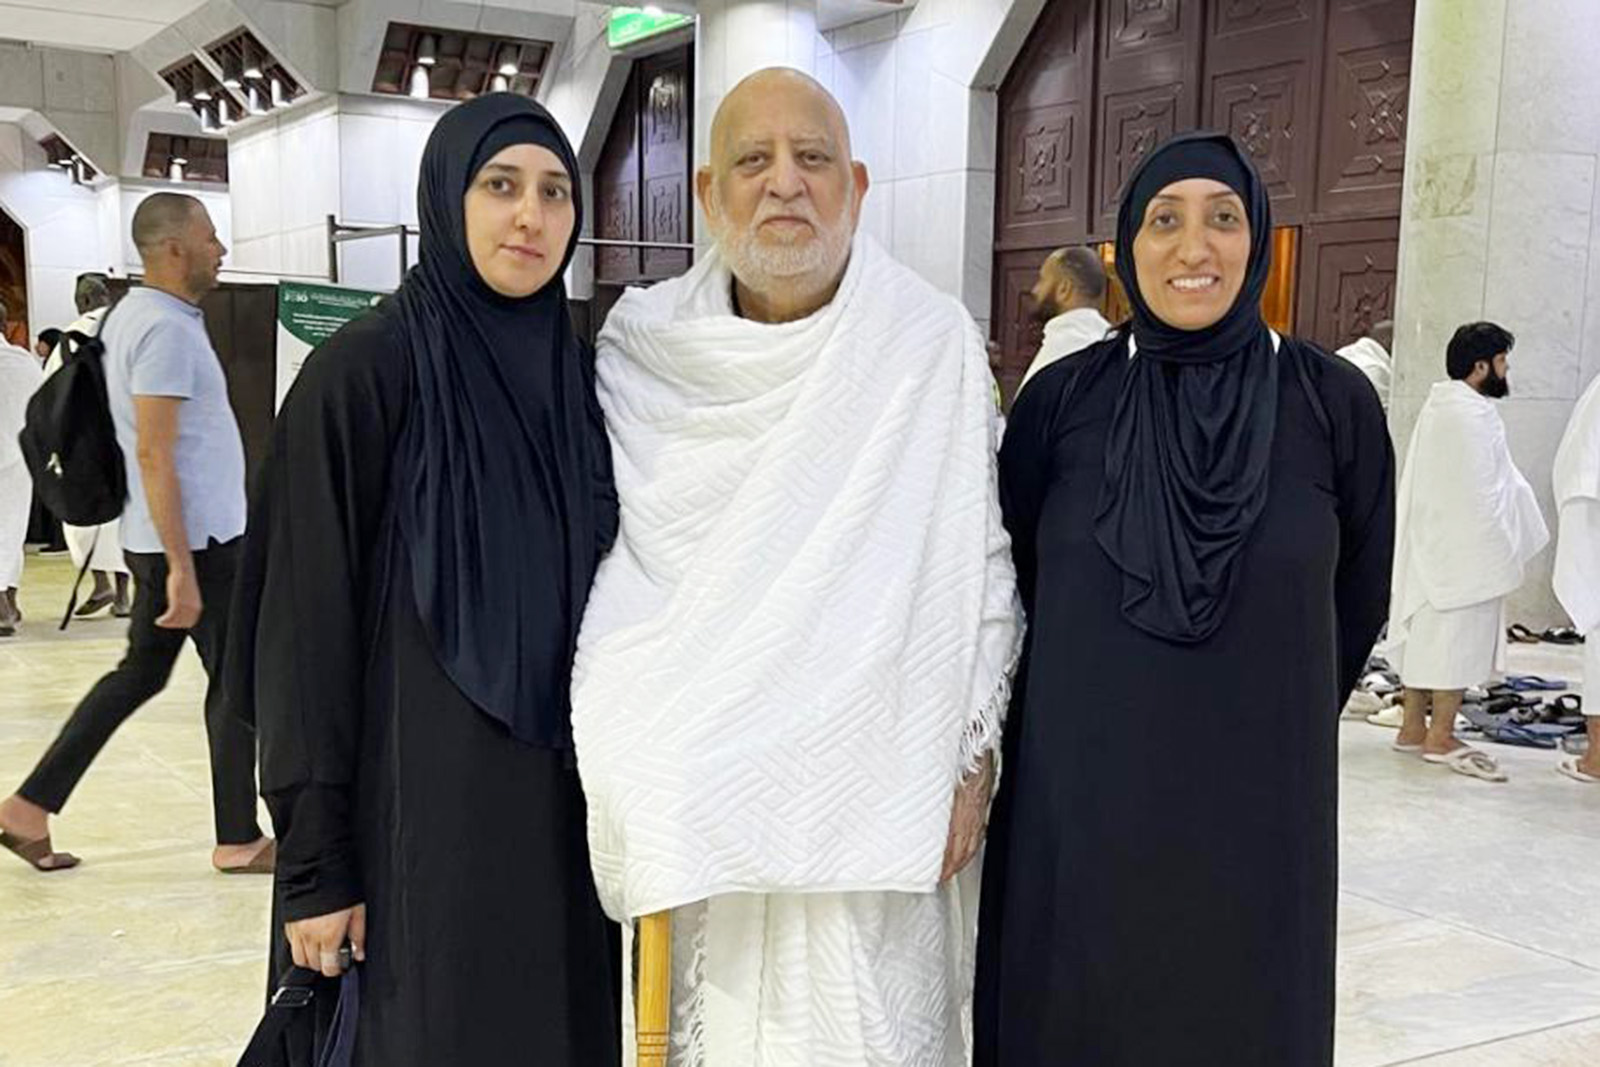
(72, 601)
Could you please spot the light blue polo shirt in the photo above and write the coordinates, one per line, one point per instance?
(156, 345)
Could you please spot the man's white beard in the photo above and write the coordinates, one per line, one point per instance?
(764, 266)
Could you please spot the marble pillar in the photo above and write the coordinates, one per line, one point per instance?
(1499, 220)
(735, 38)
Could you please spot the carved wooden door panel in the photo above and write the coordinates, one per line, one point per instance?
(1262, 66)
(642, 181)
(1019, 334)
(666, 87)
(616, 194)
(1044, 133)
(1365, 85)
(1149, 75)
(1347, 279)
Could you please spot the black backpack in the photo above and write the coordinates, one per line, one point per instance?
(69, 441)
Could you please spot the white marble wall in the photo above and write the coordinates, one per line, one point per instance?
(1501, 218)
(66, 233)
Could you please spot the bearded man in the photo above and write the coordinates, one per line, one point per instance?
(794, 662)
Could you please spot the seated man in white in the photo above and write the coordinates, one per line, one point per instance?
(794, 661)
(1466, 526)
(1577, 571)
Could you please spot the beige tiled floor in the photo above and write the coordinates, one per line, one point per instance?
(1469, 928)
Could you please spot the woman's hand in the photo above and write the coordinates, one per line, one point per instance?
(969, 816)
(316, 942)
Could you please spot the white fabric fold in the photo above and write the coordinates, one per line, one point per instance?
(1576, 480)
(1467, 521)
(811, 598)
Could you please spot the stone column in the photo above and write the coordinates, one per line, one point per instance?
(1499, 220)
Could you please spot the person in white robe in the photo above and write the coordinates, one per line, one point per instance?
(1467, 525)
(104, 542)
(1577, 569)
(1370, 354)
(1067, 298)
(793, 666)
(20, 375)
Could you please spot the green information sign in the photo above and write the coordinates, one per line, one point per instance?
(309, 314)
(629, 25)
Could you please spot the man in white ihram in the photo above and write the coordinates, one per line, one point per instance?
(795, 660)
(1466, 526)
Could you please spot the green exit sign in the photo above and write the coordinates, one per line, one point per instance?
(630, 25)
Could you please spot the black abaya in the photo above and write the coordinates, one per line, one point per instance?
(1160, 879)
(485, 940)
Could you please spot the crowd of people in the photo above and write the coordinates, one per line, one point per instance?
(759, 617)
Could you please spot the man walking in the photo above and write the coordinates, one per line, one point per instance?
(183, 519)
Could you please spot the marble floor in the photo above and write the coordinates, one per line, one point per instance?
(1469, 925)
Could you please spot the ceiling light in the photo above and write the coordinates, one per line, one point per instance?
(202, 87)
(180, 150)
(427, 50)
(80, 171)
(252, 63)
(230, 72)
(252, 101)
(280, 94)
(208, 120)
(225, 112)
(509, 60)
(420, 87)
(499, 84)
(175, 169)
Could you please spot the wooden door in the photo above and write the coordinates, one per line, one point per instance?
(643, 179)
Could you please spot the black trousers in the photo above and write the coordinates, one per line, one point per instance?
(143, 672)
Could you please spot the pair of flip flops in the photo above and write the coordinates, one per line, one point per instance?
(1469, 761)
(1570, 768)
(1529, 683)
(1556, 635)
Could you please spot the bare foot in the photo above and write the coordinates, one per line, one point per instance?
(1430, 747)
(23, 818)
(232, 857)
(1412, 735)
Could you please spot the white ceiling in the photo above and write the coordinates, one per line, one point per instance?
(95, 25)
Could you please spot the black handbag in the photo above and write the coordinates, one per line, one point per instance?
(294, 999)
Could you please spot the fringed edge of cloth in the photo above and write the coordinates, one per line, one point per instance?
(689, 1023)
(982, 732)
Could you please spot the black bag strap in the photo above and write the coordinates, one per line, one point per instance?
(88, 558)
(296, 993)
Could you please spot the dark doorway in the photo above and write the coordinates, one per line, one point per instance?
(643, 180)
(14, 281)
(1315, 90)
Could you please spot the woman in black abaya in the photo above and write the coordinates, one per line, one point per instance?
(422, 538)
(1202, 517)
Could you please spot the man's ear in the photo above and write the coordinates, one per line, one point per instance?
(702, 190)
(858, 175)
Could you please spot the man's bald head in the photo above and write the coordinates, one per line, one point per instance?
(1070, 278)
(776, 86)
(780, 193)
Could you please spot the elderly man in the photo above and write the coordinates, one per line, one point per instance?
(1467, 525)
(794, 661)
(1066, 298)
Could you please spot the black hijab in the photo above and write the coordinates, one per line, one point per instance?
(496, 468)
(1191, 437)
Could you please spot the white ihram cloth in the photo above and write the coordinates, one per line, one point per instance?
(19, 377)
(803, 635)
(81, 540)
(1369, 356)
(1065, 334)
(1577, 570)
(1467, 523)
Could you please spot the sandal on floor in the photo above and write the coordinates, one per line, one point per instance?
(1409, 750)
(1561, 635)
(1527, 683)
(1520, 634)
(34, 853)
(1469, 761)
(263, 862)
(1391, 716)
(97, 603)
(1570, 768)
